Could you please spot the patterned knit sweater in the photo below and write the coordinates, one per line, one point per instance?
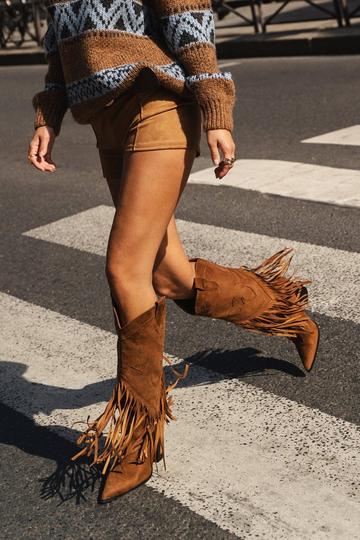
(96, 48)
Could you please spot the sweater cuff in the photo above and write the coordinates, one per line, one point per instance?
(215, 93)
(217, 114)
(50, 108)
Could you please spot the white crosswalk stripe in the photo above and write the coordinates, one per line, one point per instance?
(335, 275)
(289, 179)
(349, 136)
(259, 449)
(256, 464)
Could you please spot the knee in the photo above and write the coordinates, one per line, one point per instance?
(123, 272)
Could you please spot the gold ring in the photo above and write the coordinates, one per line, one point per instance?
(229, 161)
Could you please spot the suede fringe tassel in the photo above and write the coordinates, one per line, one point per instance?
(286, 316)
(125, 416)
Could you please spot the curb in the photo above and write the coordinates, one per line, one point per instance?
(252, 47)
(22, 58)
(301, 46)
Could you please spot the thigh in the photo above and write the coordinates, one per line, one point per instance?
(149, 190)
(156, 119)
(114, 181)
(111, 125)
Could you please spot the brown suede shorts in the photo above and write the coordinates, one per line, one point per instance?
(145, 117)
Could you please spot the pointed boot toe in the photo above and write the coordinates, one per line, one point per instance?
(109, 488)
(124, 478)
(138, 409)
(307, 344)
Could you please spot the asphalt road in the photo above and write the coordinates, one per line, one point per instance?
(54, 278)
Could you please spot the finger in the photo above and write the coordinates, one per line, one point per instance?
(38, 159)
(43, 147)
(33, 152)
(43, 155)
(42, 166)
(214, 152)
(34, 145)
(49, 165)
(47, 156)
(228, 151)
(223, 169)
(48, 162)
(34, 160)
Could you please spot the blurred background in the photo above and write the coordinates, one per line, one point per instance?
(24, 22)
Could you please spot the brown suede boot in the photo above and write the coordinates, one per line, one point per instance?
(138, 409)
(260, 299)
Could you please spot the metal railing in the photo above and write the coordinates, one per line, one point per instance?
(351, 12)
(21, 21)
(26, 20)
(223, 8)
(338, 11)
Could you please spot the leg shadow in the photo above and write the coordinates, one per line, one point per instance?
(240, 363)
(70, 480)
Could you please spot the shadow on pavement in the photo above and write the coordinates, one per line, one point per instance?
(242, 363)
(71, 480)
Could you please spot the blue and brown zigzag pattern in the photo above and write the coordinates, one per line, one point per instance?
(102, 82)
(71, 19)
(183, 29)
(181, 26)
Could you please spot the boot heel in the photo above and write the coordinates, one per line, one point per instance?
(132, 425)
(158, 454)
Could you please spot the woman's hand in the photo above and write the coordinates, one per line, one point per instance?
(39, 153)
(220, 139)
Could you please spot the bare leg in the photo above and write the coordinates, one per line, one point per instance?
(173, 274)
(145, 198)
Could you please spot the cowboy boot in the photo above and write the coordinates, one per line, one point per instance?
(138, 409)
(261, 300)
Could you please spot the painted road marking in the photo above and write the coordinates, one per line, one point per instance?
(223, 64)
(335, 290)
(349, 136)
(256, 464)
(289, 179)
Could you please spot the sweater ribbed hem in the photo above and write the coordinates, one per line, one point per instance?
(88, 64)
(50, 108)
(217, 114)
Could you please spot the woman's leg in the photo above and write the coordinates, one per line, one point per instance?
(145, 198)
(173, 273)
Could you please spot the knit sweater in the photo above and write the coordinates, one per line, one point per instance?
(95, 49)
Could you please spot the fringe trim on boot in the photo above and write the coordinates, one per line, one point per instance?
(286, 316)
(125, 415)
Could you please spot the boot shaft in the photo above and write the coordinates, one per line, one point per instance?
(262, 299)
(140, 347)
